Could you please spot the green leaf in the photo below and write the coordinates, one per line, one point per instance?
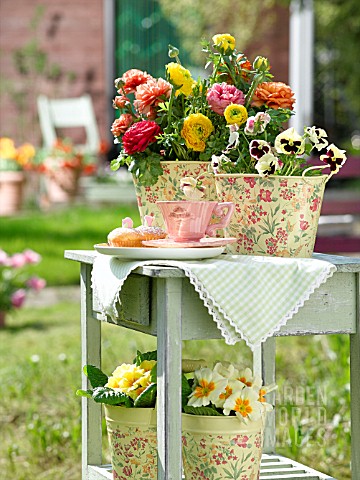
(147, 398)
(140, 357)
(205, 411)
(185, 390)
(96, 377)
(84, 393)
(153, 374)
(110, 397)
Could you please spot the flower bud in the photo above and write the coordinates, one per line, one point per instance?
(173, 52)
(261, 64)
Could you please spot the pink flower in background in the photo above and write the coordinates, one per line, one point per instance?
(17, 260)
(221, 95)
(18, 298)
(3, 257)
(31, 256)
(36, 283)
(150, 94)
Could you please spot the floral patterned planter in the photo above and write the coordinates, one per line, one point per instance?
(168, 187)
(133, 444)
(274, 215)
(215, 448)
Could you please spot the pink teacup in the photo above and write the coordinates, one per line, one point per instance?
(187, 220)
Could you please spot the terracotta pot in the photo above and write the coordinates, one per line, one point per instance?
(133, 442)
(168, 187)
(274, 215)
(62, 185)
(221, 447)
(11, 192)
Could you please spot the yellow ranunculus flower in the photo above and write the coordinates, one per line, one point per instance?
(7, 148)
(224, 41)
(196, 130)
(180, 76)
(235, 114)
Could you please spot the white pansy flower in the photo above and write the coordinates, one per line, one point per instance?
(290, 142)
(317, 136)
(268, 164)
(233, 138)
(192, 188)
(257, 124)
(334, 157)
(217, 160)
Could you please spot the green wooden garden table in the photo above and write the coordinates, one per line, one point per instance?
(161, 301)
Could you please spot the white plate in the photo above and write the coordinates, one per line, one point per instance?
(134, 253)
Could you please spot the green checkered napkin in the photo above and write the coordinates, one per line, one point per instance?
(249, 297)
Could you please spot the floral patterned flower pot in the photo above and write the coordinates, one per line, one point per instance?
(11, 192)
(221, 447)
(168, 187)
(274, 215)
(133, 444)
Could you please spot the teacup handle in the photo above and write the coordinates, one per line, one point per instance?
(224, 219)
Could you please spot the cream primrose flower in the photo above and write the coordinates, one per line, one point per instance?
(246, 377)
(257, 124)
(290, 142)
(317, 136)
(208, 386)
(192, 188)
(268, 164)
(244, 402)
(334, 157)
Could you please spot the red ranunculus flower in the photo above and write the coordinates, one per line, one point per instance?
(139, 136)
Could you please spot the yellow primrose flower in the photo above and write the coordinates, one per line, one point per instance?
(7, 148)
(125, 377)
(196, 130)
(147, 365)
(224, 41)
(180, 76)
(235, 114)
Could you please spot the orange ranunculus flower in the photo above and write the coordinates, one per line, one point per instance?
(132, 79)
(121, 124)
(274, 95)
(150, 94)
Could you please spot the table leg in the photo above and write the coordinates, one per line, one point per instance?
(264, 365)
(355, 391)
(90, 354)
(168, 299)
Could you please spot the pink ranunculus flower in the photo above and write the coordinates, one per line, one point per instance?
(121, 124)
(31, 256)
(221, 95)
(18, 298)
(139, 136)
(17, 260)
(36, 283)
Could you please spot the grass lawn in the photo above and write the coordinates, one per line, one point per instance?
(51, 233)
(40, 371)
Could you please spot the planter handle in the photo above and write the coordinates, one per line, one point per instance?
(317, 167)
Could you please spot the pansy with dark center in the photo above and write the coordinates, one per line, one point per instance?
(334, 157)
(258, 148)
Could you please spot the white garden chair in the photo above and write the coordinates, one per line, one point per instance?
(68, 113)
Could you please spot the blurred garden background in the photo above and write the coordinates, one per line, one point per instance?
(68, 49)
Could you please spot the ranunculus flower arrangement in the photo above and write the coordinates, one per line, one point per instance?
(236, 110)
(15, 281)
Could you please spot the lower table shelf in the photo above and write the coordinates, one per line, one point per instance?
(273, 467)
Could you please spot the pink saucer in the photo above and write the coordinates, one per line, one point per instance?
(203, 242)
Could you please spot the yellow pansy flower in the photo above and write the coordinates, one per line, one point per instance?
(235, 114)
(224, 41)
(196, 130)
(180, 76)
